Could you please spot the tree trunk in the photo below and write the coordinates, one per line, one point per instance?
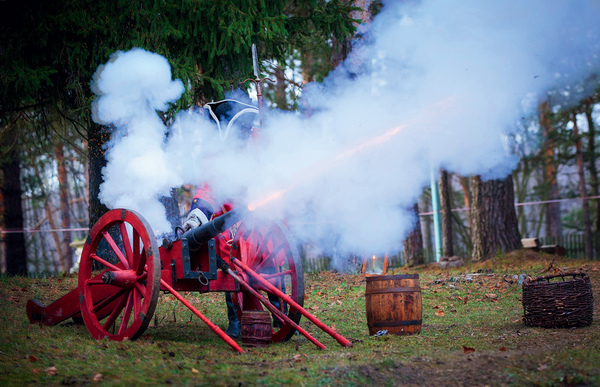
(413, 244)
(446, 209)
(307, 68)
(97, 137)
(56, 262)
(66, 259)
(424, 204)
(341, 49)
(280, 95)
(587, 226)
(466, 188)
(171, 204)
(495, 226)
(591, 134)
(15, 255)
(553, 218)
(521, 178)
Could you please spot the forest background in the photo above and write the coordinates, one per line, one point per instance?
(52, 152)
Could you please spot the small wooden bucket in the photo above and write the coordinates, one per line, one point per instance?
(257, 329)
(394, 304)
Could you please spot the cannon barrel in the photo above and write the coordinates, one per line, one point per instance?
(203, 233)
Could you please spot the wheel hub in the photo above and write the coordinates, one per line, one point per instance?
(125, 279)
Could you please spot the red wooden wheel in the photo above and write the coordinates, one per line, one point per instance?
(119, 276)
(272, 253)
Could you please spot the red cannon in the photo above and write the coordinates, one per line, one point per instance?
(123, 270)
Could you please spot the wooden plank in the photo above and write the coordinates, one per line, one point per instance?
(530, 243)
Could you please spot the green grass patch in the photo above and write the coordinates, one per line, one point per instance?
(472, 334)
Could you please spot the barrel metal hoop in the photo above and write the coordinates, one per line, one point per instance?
(377, 278)
(396, 323)
(392, 290)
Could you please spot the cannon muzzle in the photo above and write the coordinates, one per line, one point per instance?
(202, 234)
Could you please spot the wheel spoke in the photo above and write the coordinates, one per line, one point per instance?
(115, 249)
(260, 251)
(141, 264)
(115, 313)
(94, 282)
(275, 275)
(269, 259)
(141, 288)
(126, 314)
(253, 243)
(126, 243)
(105, 263)
(136, 248)
(108, 300)
(137, 304)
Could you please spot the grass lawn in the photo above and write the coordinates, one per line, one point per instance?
(472, 334)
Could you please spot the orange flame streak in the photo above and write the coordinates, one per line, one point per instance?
(324, 165)
(274, 196)
(321, 166)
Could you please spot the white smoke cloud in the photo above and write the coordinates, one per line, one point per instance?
(130, 88)
(446, 81)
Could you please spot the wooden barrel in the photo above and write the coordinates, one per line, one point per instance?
(394, 304)
(256, 328)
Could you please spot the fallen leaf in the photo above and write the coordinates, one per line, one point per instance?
(503, 349)
(297, 357)
(98, 377)
(491, 296)
(440, 313)
(517, 320)
(542, 367)
(467, 349)
(314, 308)
(33, 358)
(465, 301)
(51, 370)
(36, 371)
(437, 307)
(195, 371)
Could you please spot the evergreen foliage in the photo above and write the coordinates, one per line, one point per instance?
(50, 49)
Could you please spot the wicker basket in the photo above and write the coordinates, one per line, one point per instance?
(559, 304)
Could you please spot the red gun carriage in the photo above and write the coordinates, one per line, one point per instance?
(116, 298)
